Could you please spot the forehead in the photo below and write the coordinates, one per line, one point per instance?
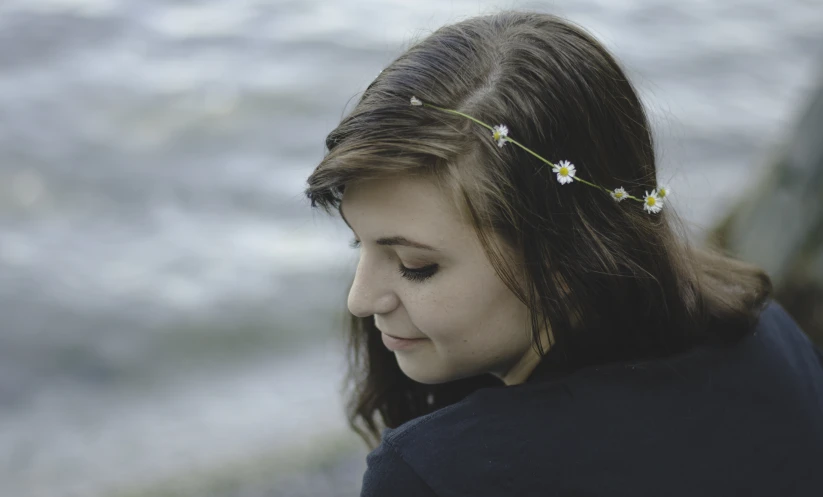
(416, 202)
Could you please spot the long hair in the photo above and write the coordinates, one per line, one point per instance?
(612, 281)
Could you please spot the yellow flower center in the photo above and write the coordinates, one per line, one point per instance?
(618, 194)
(662, 193)
(496, 135)
(564, 171)
(650, 201)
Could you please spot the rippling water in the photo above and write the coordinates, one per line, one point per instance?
(152, 157)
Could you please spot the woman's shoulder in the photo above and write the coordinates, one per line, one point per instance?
(779, 327)
(775, 359)
(776, 346)
(764, 392)
(417, 458)
(782, 348)
(446, 416)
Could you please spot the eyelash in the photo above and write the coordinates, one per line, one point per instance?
(417, 275)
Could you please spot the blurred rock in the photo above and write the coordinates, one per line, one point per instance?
(779, 224)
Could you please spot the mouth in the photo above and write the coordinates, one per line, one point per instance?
(397, 337)
(401, 338)
(395, 343)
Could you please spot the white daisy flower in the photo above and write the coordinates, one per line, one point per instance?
(619, 194)
(565, 171)
(652, 202)
(416, 101)
(499, 133)
(663, 191)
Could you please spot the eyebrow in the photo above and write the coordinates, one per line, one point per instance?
(391, 240)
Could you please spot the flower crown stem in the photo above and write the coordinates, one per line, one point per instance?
(504, 136)
(450, 111)
(576, 178)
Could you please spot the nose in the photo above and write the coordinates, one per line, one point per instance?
(371, 291)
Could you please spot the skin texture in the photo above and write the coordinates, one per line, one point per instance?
(470, 322)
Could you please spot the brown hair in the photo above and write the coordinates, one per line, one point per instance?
(612, 281)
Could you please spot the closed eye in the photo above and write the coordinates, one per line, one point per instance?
(417, 274)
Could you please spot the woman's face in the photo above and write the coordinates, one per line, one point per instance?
(450, 297)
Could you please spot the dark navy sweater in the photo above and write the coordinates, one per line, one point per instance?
(745, 420)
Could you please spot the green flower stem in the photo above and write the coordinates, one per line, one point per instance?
(481, 123)
(490, 128)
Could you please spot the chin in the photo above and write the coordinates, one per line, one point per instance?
(429, 380)
(427, 375)
(421, 374)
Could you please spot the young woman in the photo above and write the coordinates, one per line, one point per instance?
(527, 315)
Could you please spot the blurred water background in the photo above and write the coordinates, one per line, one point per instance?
(169, 306)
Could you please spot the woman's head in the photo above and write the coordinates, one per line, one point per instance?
(436, 285)
(604, 280)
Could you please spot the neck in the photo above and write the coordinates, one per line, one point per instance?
(523, 368)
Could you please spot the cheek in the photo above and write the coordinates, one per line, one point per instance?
(465, 339)
(439, 323)
(478, 315)
(468, 302)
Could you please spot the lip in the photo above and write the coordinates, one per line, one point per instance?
(394, 343)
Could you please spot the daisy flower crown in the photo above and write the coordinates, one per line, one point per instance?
(565, 170)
